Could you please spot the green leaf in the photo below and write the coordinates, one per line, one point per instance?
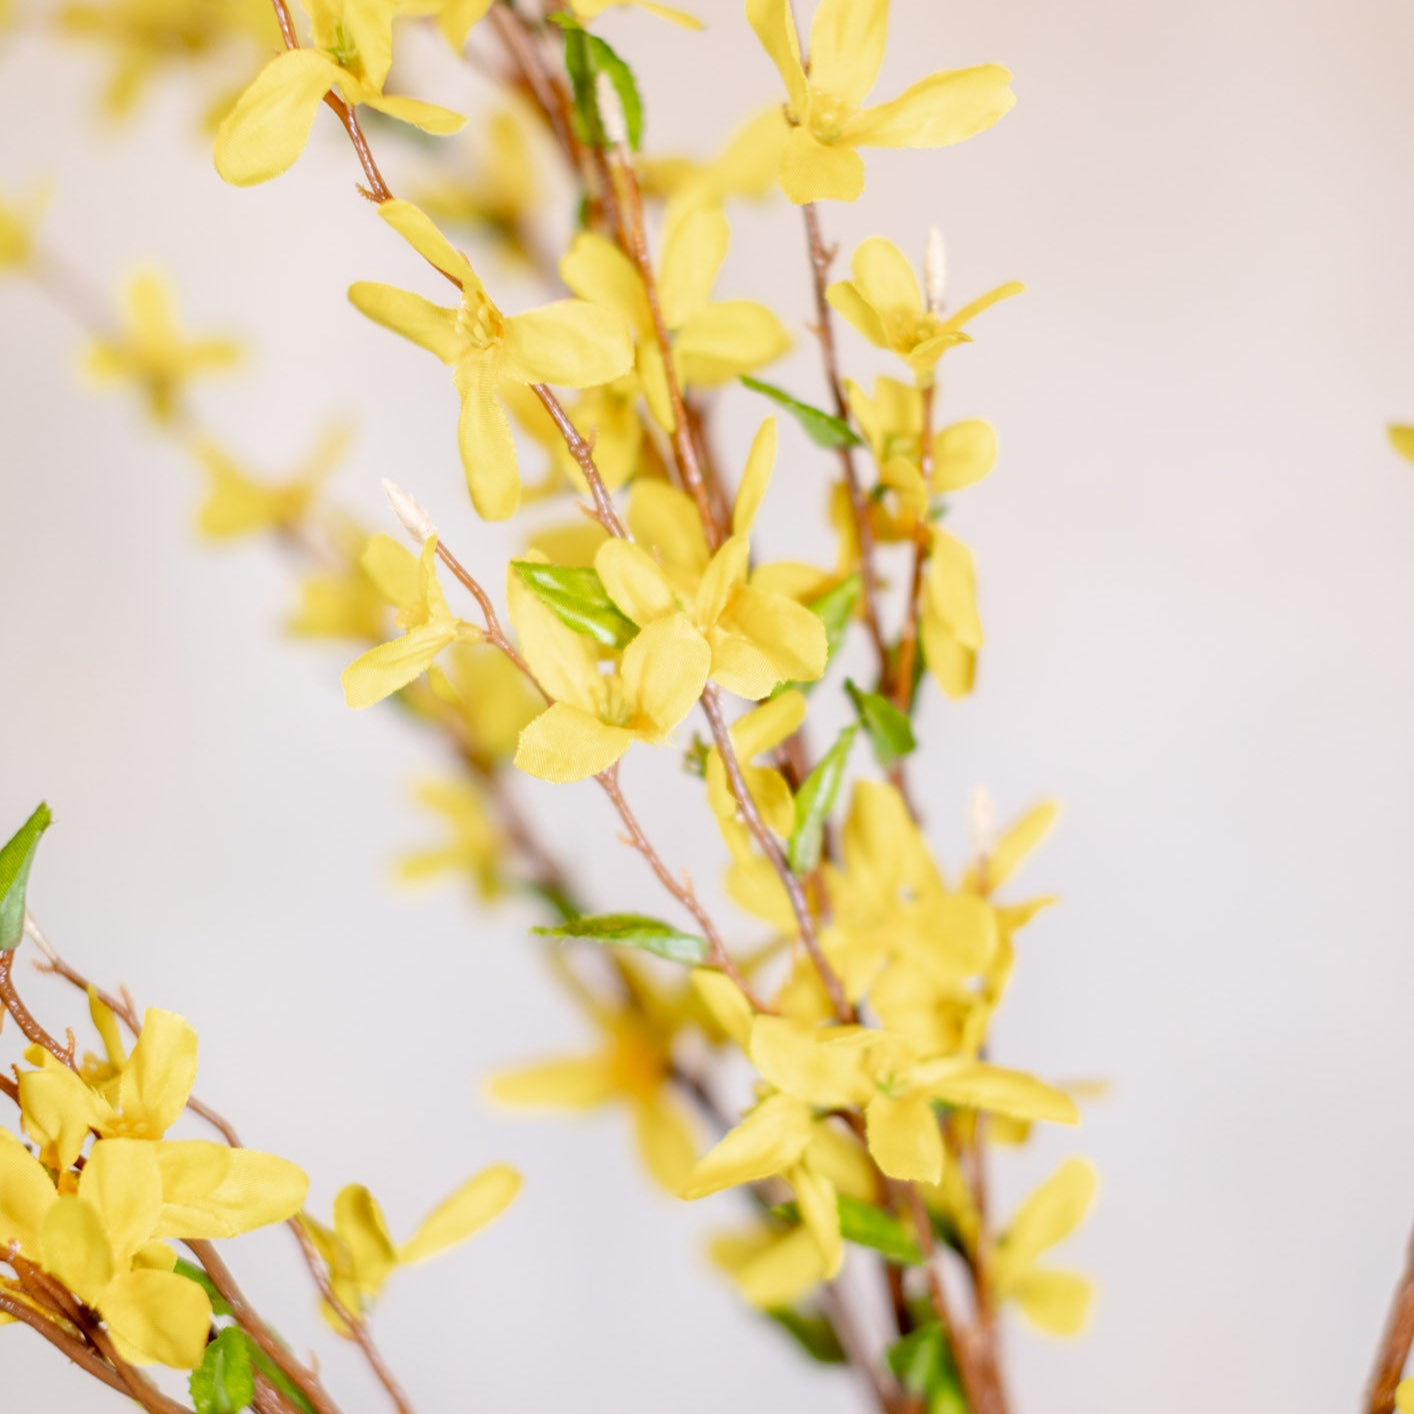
(15, 859)
(923, 1364)
(815, 800)
(224, 1382)
(813, 1333)
(586, 55)
(194, 1273)
(282, 1382)
(870, 1226)
(580, 600)
(834, 608)
(889, 731)
(823, 428)
(634, 930)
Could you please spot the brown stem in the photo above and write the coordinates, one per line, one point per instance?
(24, 1019)
(1393, 1353)
(62, 1341)
(770, 847)
(583, 455)
(908, 638)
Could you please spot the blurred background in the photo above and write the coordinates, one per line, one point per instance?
(1198, 590)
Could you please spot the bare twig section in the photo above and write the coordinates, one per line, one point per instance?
(583, 454)
(1393, 1353)
(770, 847)
(908, 639)
(24, 1018)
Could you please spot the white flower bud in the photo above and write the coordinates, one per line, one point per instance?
(414, 519)
(611, 110)
(935, 270)
(982, 825)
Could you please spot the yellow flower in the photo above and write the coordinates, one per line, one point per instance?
(475, 846)
(490, 695)
(825, 105)
(18, 223)
(360, 1254)
(570, 343)
(948, 626)
(594, 717)
(772, 1268)
(1054, 1301)
(754, 734)
(342, 602)
(239, 504)
(428, 625)
(745, 167)
(351, 53)
(884, 302)
(151, 352)
(712, 341)
(632, 1066)
(758, 638)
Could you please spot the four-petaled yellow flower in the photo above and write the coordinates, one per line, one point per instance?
(758, 638)
(884, 302)
(150, 350)
(713, 341)
(825, 104)
(351, 55)
(595, 716)
(240, 504)
(475, 845)
(570, 343)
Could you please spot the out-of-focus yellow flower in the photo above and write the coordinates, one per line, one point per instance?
(18, 223)
(758, 638)
(1400, 438)
(351, 54)
(746, 166)
(632, 1066)
(884, 302)
(771, 1267)
(825, 105)
(948, 626)
(712, 341)
(239, 504)
(491, 697)
(145, 37)
(340, 603)
(150, 352)
(360, 1254)
(1052, 1300)
(571, 343)
(428, 625)
(474, 846)
(594, 717)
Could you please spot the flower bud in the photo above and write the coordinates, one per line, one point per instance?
(414, 519)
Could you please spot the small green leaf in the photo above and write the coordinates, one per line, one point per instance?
(823, 428)
(585, 56)
(194, 1273)
(15, 859)
(834, 608)
(870, 1226)
(634, 930)
(889, 731)
(580, 600)
(813, 1333)
(224, 1382)
(282, 1382)
(814, 801)
(923, 1364)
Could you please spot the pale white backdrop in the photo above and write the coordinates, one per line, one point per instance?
(1199, 593)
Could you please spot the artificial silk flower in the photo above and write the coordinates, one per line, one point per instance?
(1055, 1301)
(570, 343)
(758, 638)
(474, 845)
(712, 341)
(361, 1255)
(19, 220)
(632, 1066)
(429, 626)
(883, 300)
(948, 626)
(150, 352)
(825, 104)
(351, 54)
(595, 716)
(240, 504)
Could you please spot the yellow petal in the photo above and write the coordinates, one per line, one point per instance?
(726, 339)
(123, 1185)
(634, 581)
(792, 638)
(488, 451)
(157, 1318)
(463, 1214)
(58, 1110)
(1404, 1395)
(885, 279)
(769, 724)
(951, 588)
(725, 1003)
(952, 664)
(1056, 1302)
(942, 109)
(774, 1274)
(664, 519)
(975, 1085)
(571, 343)
(963, 454)
(775, 28)
(819, 1211)
(664, 671)
(904, 1137)
(847, 46)
(210, 1190)
(847, 301)
(767, 1141)
(74, 1247)
(456, 17)
(562, 660)
(565, 743)
(267, 129)
(1402, 440)
(824, 1066)
(390, 667)
(570, 1083)
(812, 171)
(1051, 1213)
(665, 1139)
(440, 122)
(393, 568)
(954, 322)
(430, 326)
(361, 1227)
(755, 477)
(160, 1072)
(595, 269)
(26, 1193)
(726, 573)
(1018, 840)
(694, 246)
(418, 229)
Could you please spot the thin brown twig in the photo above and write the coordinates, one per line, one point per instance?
(61, 1339)
(1393, 1352)
(583, 455)
(24, 1018)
